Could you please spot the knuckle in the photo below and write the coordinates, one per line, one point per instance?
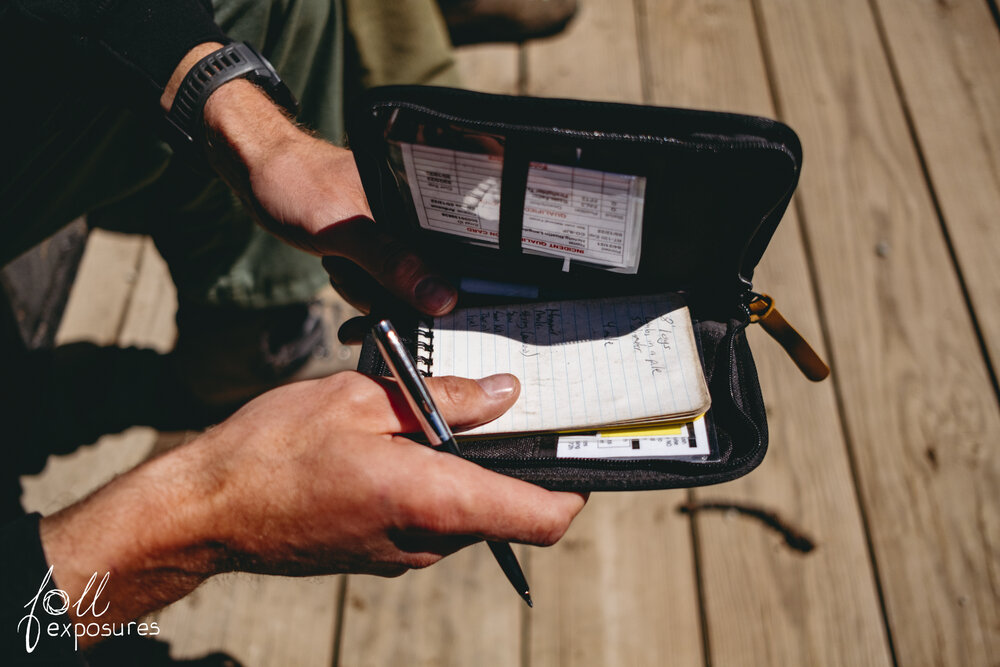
(353, 387)
(455, 390)
(399, 265)
(344, 381)
(353, 398)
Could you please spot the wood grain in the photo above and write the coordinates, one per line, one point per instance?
(149, 320)
(947, 56)
(766, 603)
(620, 588)
(260, 621)
(597, 58)
(919, 408)
(462, 611)
(103, 287)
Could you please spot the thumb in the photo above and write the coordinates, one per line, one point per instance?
(390, 262)
(463, 403)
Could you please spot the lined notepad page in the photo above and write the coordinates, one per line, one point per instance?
(581, 364)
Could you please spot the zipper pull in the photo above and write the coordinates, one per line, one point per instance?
(762, 310)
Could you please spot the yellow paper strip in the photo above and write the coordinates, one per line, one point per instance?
(645, 431)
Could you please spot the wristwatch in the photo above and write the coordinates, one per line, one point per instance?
(185, 123)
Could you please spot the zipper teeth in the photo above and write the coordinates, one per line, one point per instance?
(593, 135)
(734, 380)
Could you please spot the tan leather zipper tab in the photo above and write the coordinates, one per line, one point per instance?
(762, 310)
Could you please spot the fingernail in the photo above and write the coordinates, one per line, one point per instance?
(434, 294)
(501, 385)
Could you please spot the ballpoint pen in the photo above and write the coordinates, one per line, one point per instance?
(432, 423)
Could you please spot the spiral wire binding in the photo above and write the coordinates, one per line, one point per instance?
(425, 343)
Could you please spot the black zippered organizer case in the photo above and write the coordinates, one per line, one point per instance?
(716, 186)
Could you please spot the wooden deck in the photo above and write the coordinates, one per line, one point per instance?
(888, 261)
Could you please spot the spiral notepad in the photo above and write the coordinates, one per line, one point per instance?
(582, 364)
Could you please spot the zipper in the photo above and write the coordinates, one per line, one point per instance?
(755, 307)
(763, 311)
(587, 135)
(759, 308)
(597, 135)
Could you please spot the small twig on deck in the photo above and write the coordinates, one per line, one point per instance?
(794, 538)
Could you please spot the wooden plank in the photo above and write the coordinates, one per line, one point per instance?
(69, 478)
(102, 288)
(149, 320)
(947, 55)
(596, 58)
(620, 588)
(260, 621)
(919, 407)
(489, 68)
(379, 625)
(461, 611)
(95, 312)
(766, 603)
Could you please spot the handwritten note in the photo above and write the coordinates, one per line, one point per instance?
(582, 364)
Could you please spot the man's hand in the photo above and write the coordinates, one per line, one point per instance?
(366, 500)
(310, 478)
(307, 192)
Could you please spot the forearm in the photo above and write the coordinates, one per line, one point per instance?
(304, 190)
(293, 182)
(307, 479)
(148, 531)
(242, 125)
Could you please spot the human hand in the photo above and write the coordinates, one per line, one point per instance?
(308, 192)
(307, 479)
(334, 490)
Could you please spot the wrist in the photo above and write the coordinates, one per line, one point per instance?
(183, 67)
(210, 103)
(149, 529)
(244, 126)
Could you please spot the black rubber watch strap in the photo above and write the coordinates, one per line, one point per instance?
(233, 61)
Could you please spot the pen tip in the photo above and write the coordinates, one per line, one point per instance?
(527, 598)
